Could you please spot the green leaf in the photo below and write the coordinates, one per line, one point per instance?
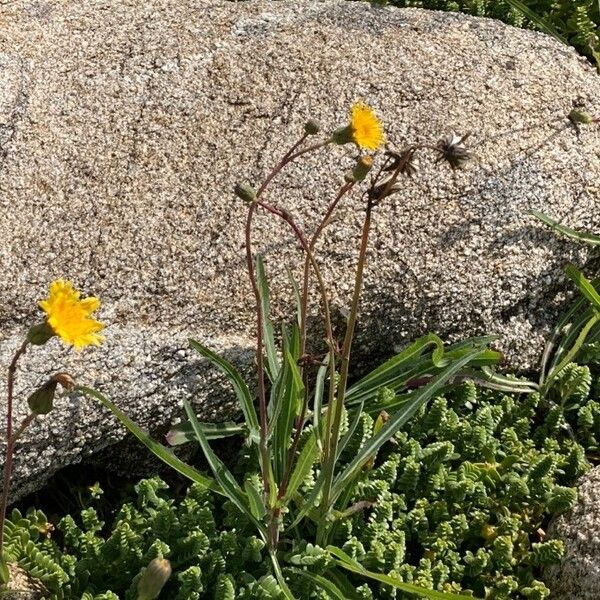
(536, 19)
(565, 333)
(382, 375)
(487, 377)
(272, 366)
(280, 577)
(346, 562)
(570, 355)
(307, 458)
(413, 402)
(257, 505)
(329, 586)
(309, 503)
(288, 403)
(222, 474)
(165, 454)
(4, 572)
(318, 399)
(585, 285)
(184, 432)
(241, 389)
(579, 236)
(353, 425)
(410, 364)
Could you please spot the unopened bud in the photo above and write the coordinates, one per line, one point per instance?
(362, 168)
(580, 116)
(245, 192)
(40, 402)
(38, 335)
(153, 579)
(311, 127)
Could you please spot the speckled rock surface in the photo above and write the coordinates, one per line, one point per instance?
(578, 577)
(124, 125)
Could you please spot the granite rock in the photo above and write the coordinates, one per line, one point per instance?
(124, 126)
(578, 576)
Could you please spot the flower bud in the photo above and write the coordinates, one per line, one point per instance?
(362, 168)
(153, 579)
(245, 192)
(580, 116)
(39, 334)
(311, 127)
(40, 402)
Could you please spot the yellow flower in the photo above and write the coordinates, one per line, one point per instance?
(69, 316)
(367, 131)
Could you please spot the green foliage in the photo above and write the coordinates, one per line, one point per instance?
(575, 21)
(455, 503)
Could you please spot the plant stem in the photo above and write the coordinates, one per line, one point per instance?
(10, 440)
(291, 155)
(262, 398)
(336, 409)
(303, 334)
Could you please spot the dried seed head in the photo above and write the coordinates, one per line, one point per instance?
(65, 380)
(384, 189)
(453, 150)
(405, 161)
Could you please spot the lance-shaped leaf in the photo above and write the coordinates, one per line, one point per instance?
(165, 454)
(241, 389)
(579, 236)
(223, 476)
(413, 402)
(272, 365)
(346, 562)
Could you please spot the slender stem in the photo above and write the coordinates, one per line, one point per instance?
(10, 440)
(309, 253)
(303, 334)
(262, 398)
(291, 155)
(324, 222)
(329, 464)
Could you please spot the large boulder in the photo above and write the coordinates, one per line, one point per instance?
(578, 576)
(124, 125)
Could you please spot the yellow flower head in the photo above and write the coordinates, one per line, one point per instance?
(367, 131)
(69, 316)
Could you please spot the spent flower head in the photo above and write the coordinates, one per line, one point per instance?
(68, 315)
(453, 150)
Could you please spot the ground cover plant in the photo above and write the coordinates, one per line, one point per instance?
(575, 22)
(458, 500)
